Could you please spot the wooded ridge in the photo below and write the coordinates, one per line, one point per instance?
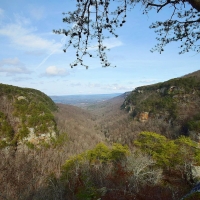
(140, 145)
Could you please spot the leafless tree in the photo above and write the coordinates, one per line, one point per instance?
(143, 171)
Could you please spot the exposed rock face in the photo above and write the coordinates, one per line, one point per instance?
(131, 109)
(21, 98)
(173, 104)
(162, 90)
(140, 91)
(143, 116)
(36, 139)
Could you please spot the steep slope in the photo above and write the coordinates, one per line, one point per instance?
(196, 74)
(164, 108)
(170, 108)
(25, 114)
(112, 121)
(118, 125)
(31, 117)
(26, 172)
(174, 102)
(79, 126)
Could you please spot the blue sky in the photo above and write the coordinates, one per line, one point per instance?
(31, 54)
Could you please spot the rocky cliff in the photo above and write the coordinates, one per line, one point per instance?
(176, 102)
(25, 116)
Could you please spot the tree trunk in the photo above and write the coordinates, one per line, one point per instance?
(195, 4)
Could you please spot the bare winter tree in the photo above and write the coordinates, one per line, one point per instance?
(95, 20)
(143, 171)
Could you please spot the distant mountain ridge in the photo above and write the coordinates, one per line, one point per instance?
(83, 100)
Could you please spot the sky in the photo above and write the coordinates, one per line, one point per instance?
(32, 56)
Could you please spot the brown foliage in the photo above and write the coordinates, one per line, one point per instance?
(79, 125)
(34, 173)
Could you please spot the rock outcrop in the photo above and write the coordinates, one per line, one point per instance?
(25, 116)
(174, 102)
(143, 116)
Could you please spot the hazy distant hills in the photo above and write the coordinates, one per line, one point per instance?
(83, 100)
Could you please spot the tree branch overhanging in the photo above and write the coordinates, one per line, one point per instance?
(94, 20)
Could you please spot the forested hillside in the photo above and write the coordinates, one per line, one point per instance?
(174, 103)
(25, 115)
(37, 137)
(141, 145)
(79, 126)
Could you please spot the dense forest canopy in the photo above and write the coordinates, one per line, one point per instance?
(99, 19)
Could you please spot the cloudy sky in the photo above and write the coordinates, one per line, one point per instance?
(31, 54)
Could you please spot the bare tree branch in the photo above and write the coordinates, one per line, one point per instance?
(95, 20)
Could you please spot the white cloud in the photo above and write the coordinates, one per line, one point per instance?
(75, 84)
(112, 42)
(35, 53)
(26, 38)
(117, 87)
(19, 79)
(109, 43)
(1, 13)
(117, 57)
(19, 19)
(37, 12)
(14, 70)
(93, 85)
(10, 61)
(148, 81)
(13, 66)
(55, 71)
(114, 87)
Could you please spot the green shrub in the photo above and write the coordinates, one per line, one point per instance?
(24, 131)
(194, 123)
(5, 128)
(100, 153)
(169, 153)
(30, 145)
(59, 140)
